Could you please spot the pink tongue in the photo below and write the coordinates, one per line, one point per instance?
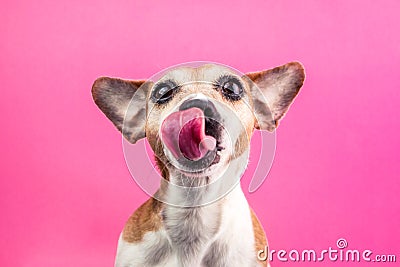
(183, 132)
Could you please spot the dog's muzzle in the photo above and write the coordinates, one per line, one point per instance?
(193, 133)
(205, 105)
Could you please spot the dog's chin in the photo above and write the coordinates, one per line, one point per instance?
(206, 166)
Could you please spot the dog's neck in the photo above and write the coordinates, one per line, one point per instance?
(191, 230)
(184, 190)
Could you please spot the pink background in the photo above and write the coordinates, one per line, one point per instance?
(65, 191)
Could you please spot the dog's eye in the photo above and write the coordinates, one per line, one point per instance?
(163, 92)
(231, 88)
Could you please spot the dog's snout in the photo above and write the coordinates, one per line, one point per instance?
(205, 105)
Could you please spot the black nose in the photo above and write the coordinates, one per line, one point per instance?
(205, 105)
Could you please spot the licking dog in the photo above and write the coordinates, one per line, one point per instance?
(198, 121)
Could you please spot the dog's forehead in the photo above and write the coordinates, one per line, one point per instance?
(205, 73)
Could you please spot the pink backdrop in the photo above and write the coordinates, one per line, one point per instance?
(65, 191)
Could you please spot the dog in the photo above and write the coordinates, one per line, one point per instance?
(198, 121)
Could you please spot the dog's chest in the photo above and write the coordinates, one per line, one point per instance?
(204, 239)
(233, 248)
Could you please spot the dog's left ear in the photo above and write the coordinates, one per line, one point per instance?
(278, 87)
(119, 99)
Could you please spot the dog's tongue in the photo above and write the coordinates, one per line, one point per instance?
(183, 132)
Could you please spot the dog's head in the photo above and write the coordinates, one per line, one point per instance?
(198, 119)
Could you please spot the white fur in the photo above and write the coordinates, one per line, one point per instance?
(230, 215)
(235, 230)
(225, 220)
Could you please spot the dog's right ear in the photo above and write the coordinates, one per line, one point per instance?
(114, 96)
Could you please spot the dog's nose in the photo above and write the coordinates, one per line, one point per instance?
(205, 105)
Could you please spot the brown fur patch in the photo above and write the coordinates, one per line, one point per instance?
(242, 143)
(147, 218)
(259, 236)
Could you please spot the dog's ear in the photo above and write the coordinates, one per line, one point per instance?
(119, 99)
(273, 91)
